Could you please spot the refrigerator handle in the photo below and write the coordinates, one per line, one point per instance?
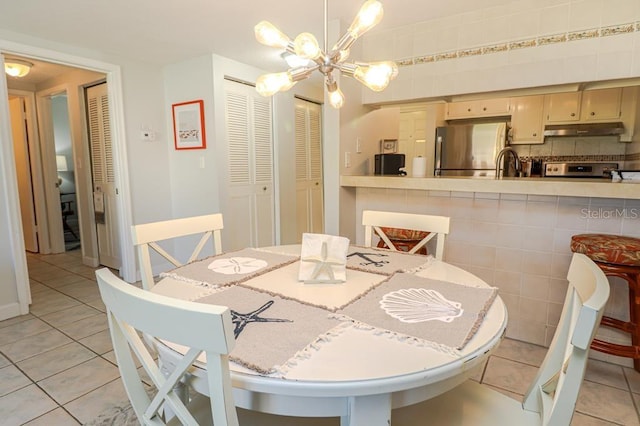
(438, 155)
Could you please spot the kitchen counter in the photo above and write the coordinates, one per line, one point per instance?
(576, 187)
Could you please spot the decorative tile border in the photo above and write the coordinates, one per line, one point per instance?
(586, 34)
(632, 157)
(547, 158)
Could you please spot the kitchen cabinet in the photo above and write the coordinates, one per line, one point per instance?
(562, 107)
(629, 113)
(583, 107)
(603, 104)
(526, 120)
(495, 107)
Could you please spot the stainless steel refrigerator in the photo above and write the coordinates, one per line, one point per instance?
(469, 149)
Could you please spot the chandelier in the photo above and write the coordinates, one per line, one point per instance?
(375, 75)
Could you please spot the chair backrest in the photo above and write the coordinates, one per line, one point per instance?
(437, 226)
(554, 391)
(147, 235)
(199, 327)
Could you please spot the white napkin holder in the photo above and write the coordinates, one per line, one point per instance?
(323, 259)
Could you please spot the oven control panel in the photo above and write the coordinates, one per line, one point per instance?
(590, 170)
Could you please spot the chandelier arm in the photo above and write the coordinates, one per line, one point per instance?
(291, 48)
(345, 42)
(326, 26)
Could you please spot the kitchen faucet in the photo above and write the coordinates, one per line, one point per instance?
(500, 158)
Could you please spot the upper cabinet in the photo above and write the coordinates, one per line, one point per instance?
(587, 106)
(562, 107)
(526, 120)
(604, 104)
(495, 107)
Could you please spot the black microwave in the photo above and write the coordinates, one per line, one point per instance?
(389, 164)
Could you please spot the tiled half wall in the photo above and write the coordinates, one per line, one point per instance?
(520, 244)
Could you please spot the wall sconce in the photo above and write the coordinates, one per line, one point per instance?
(16, 67)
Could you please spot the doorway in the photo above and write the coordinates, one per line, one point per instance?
(66, 221)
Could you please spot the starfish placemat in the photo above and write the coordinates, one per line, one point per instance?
(436, 311)
(269, 330)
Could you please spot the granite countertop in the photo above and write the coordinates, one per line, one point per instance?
(570, 187)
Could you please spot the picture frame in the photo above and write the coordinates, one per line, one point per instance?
(388, 146)
(188, 125)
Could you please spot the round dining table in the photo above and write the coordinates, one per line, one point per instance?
(358, 375)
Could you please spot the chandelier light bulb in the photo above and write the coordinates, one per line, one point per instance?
(336, 97)
(270, 84)
(369, 15)
(374, 77)
(306, 46)
(389, 67)
(267, 34)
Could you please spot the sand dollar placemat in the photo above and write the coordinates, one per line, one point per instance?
(437, 311)
(229, 268)
(269, 330)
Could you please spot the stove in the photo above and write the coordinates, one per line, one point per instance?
(579, 169)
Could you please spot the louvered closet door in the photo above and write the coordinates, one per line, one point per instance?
(249, 217)
(309, 192)
(104, 188)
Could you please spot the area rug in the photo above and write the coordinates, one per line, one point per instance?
(121, 414)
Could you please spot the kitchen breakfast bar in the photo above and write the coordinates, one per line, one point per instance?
(515, 234)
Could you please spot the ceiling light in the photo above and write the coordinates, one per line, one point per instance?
(17, 68)
(376, 76)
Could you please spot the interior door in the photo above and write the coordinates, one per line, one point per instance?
(249, 216)
(23, 170)
(104, 189)
(309, 184)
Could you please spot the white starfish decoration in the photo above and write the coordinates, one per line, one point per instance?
(323, 266)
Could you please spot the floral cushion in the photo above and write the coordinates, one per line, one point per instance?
(614, 249)
(404, 234)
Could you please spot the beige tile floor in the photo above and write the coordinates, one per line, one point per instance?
(57, 366)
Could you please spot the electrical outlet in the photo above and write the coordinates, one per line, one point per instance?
(347, 159)
(358, 145)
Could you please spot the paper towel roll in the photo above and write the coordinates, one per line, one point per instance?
(419, 167)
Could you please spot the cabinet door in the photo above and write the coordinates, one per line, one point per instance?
(526, 119)
(562, 107)
(481, 108)
(603, 104)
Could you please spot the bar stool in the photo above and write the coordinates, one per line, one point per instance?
(617, 256)
(404, 239)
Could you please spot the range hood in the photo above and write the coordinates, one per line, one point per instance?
(584, 129)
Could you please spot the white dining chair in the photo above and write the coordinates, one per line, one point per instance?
(147, 235)
(381, 221)
(551, 398)
(202, 328)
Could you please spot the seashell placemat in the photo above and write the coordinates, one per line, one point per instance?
(437, 311)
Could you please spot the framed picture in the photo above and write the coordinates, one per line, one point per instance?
(188, 125)
(388, 146)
